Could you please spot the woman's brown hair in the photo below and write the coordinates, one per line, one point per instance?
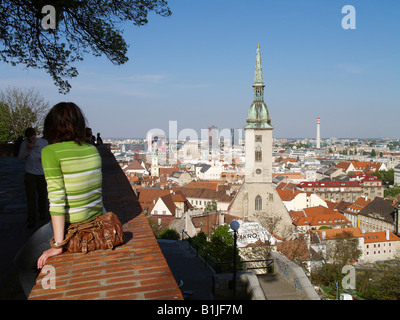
(65, 122)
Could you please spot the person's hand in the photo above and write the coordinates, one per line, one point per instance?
(47, 254)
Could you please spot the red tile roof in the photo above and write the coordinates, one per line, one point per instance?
(318, 216)
(370, 237)
(331, 234)
(358, 205)
(288, 195)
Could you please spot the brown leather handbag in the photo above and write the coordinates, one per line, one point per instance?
(100, 233)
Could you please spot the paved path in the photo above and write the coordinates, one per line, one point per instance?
(276, 289)
(13, 229)
(186, 267)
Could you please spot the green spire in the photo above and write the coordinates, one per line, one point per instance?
(258, 77)
(258, 115)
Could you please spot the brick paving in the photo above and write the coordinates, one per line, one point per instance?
(136, 270)
(13, 231)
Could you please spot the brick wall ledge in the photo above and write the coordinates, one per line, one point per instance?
(137, 270)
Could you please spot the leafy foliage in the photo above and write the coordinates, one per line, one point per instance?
(20, 109)
(211, 206)
(391, 193)
(82, 26)
(170, 234)
(386, 176)
(338, 253)
(220, 246)
(386, 286)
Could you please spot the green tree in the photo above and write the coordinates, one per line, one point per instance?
(220, 246)
(201, 239)
(20, 109)
(391, 193)
(386, 176)
(170, 234)
(373, 153)
(338, 253)
(81, 27)
(211, 206)
(386, 284)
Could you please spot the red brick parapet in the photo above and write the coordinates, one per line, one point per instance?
(136, 270)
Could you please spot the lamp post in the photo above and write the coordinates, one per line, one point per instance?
(235, 227)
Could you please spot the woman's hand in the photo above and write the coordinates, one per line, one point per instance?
(47, 254)
(58, 223)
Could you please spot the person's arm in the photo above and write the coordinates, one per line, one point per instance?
(23, 153)
(55, 181)
(58, 228)
(56, 193)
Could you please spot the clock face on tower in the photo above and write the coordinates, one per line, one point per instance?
(258, 171)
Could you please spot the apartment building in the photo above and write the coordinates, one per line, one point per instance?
(334, 191)
(378, 215)
(379, 246)
(349, 191)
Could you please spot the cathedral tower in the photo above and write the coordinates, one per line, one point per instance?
(258, 133)
(257, 199)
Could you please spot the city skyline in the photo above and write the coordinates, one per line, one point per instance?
(197, 66)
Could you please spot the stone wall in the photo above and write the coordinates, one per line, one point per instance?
(293, 275)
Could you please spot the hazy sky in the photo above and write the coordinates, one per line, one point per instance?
(196, 67)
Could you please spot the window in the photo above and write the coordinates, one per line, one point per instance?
(258, 203)
(258, 138)
(258, 154)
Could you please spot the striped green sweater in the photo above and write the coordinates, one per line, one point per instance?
(74, 180)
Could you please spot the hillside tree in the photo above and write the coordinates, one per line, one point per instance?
(20, 109)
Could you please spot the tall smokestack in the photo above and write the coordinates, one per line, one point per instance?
(318, 135)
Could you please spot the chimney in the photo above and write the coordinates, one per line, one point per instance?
(387, 235)
(318, 134)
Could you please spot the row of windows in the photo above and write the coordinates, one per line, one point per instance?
(163, 212)
(258, 203)
(384, 251)
(379, 245)
(199, 202)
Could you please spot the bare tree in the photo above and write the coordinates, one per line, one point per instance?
(261, 249)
